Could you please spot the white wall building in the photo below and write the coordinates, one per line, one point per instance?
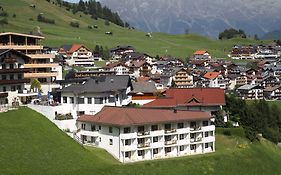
(135, 134)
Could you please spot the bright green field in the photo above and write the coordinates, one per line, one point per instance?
(61, 33)
(30, 144)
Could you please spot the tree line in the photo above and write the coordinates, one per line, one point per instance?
(232, 33)
(256, 117)
(95, 9)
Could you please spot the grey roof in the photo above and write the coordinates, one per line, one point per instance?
(247, 87)
(109, 83)
(144, 87)
(66, 47)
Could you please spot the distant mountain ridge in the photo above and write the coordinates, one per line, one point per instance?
(200, 16)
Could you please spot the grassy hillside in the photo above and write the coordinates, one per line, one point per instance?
(30, 144)
(61, 33)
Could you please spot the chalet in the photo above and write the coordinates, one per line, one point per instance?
(77, 54)
(136, 134)
(12, 71)
(202, 99)
(215, 79)
(176, 77)
(272, 93)
(250, 92)
(139, 68)
(118, 67)
(117, 52)
(201, 55)
(136, 56)
(42, 66)
(143, 92)
(243, 52)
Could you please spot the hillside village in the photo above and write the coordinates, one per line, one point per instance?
(135, 106)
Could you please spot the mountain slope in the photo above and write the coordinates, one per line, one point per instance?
(61, 33)
(31, 144)
(276, 34)
(200, 16)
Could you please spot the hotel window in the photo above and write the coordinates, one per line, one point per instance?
(89, 100)
(168, 126)
(100, 139)
(180, 125)
(80, 100)
(140, 152)
(4, 77)
(155, 139)
(128, 154)
(154, 127)
(64, 99)
(13, 88)
(111, 99)
(155, 151)
(18, 87)
(99, 100)
(11, 66)
(110, 142)
(181, 136)
(71, 100)
(93, 127)
(206, 134)
(83, 126)
(11, 76)
(168, 150)
(99, 127)
(192, 135)
(141, 129)
(205, 123)
(192, 147)
(4, 89)
(110, 129)
(19, 76)
(127, 142)
(4, 66)
(181, 148)
(192, 124)
(206, 145)
(127, 130)
(212, 133)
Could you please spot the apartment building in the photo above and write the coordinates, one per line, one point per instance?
(136, 134)
(41, 65)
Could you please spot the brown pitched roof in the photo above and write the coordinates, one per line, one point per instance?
(190, 97)
(211, 75)
(119, 116)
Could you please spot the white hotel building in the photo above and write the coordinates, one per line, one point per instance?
(136, 134)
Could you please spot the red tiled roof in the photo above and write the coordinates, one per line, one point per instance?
(211, 75)
(74, 48)
(190, 97)
(119, 116)
(200, 52)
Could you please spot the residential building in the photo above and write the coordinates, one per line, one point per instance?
(117, 52)
(143, 92)
(215, 79)
(41, 65)
(77, 55)
(201, 55)
(197, 99)
(12, 70)
(118, 67)
(136, 134)
(250, 92)
(89, 95)
(176, 77)
(272, 93)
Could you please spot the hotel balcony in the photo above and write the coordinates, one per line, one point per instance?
(194, 140)
(195, 128)
(17, 70)
(171, 142)
(41, 56)
(40, 75)
(168, 131)
(128, 135)
(41, 65)
(21, 47)
(143, 145)
(14, 81)
(208, 128)
(143, 133)
(89, 133)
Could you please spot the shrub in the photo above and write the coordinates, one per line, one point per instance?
(74, 24)
(31, 19)
(63, 116)
(14, 15)
(41, 18)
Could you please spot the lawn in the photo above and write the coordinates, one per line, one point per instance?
(30, 144)
(60, 33)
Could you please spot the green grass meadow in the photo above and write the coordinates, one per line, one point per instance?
(30, 144)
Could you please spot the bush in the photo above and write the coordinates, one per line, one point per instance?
(74, 24)
(41, 18)
(14, 15)
(31, 19)
(4, 14)
(63, 116)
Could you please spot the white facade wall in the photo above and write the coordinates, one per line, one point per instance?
(138, 146)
